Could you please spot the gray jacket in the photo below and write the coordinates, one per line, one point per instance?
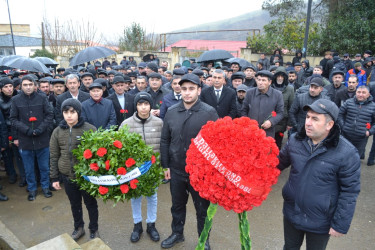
(150, 130)
(259, 107)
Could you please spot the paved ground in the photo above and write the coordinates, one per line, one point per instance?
(43, 219)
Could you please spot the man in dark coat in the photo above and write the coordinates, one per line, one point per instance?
(220, 97)
(324, 181)
(337, 84)
(98, 111)
(264, 104)
(357, 118)
(346, 93)
(31, 115)
(182, 123)
(172, 98)
(72, 84)
(157, 91)
(123, 103)
(87, 79)
(250, 72)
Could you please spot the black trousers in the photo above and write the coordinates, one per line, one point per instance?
(75, 197)
(294, 238)
(180, 189)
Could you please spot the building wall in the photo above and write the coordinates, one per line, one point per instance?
(18, 29)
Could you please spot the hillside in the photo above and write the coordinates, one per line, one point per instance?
(252, 20)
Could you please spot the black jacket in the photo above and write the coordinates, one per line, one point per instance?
(227, 102)
(180, 126)
(157, 96)
(35, 105)
(353, 117)
(5, 103)
(82, 96)
(129, 107)
(342, 95)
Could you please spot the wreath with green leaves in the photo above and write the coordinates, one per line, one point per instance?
(116, 165)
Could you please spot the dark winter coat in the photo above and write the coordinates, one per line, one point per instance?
(354, 116)
(297, 115)
(259, 107)
(226, 106)
(323, 184)
(100, 114)
(297, 58)
(63, 141)
(343, 95)
(157, 96)
(332, 91)
(168, 101)
(82, 96)
(280, 58)
(5, 104)
(25, 106)
(129, 107)
(180, 126)
(4, 141)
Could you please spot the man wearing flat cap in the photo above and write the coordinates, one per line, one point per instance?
(324, 181)
(87, 79)
(156, 91)
(250, 72)
(262, 102)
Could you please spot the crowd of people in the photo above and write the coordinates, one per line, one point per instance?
(327, 111)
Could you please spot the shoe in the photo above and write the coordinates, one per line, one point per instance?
(370, 163)
(207, 245)
(12, 179)
(137, 231)
(172, 240)
(94, 234)
(165, 181)
(47, 193)
(3, 197)
(51, 188)
(78, 233)
(151, 230)
(32, 195)
(22, 182)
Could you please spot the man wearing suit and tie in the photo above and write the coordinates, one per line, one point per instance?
(122, 102)
(220, 97)
(72, 84)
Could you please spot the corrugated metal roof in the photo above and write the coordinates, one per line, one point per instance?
(230, 46)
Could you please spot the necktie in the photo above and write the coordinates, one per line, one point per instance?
(217, 94)
(178, 96)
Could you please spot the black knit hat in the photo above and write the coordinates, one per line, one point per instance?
(74, 103)
(4, 81)
(143, 96)
(152, 66)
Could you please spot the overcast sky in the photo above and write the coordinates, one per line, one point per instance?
(110, 17)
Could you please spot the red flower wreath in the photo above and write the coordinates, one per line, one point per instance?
(248, 163)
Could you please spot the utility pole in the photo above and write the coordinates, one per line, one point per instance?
(11, 30)
(43, 38)
(307, 29)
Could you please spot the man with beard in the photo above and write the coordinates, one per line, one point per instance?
(250, 72)
(346, 93)
(183, 122)
(43, 86)
(292, 79)
(337, 85)
(280, 82)
(297, 114)
(58, 89)
(87, 79)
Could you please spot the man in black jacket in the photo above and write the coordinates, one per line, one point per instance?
(346, 93)
(123, 103)
(220, 97)
(6, 95)
(32, 115)
(72, 84)
(182, 122)
(337, 84)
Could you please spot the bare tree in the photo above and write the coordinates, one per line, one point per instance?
(67, 38)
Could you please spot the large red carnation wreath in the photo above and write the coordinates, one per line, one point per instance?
(233, 164)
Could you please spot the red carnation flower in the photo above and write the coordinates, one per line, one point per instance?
(133, 183)
(94, 166)
(129, 162)
(32, 119)
(153, 159)
(368, 125)
(103, 190)
(107, 165)
(237, 179)
(281, 134)
(87, 154)
(10, 138)
(124, 189)
(161, 102)
(126, 111)
(117, 144)
(122, 111)
(273, 114)
(121, 171)
(101, 152)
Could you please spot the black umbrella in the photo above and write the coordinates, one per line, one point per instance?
(46, 60)
(25, 63)
(90, 54)
(214, 55)
(242, 62)
(7, 59)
